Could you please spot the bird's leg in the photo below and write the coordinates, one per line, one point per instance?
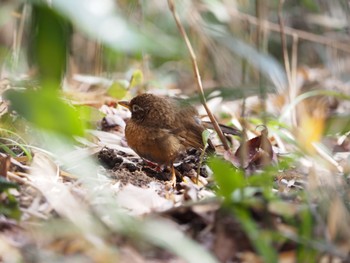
(153, 165)
(173, 176)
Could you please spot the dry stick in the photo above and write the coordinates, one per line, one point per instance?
(284, 45)
(98, 57)
(294, 62)
(14, 177)
(19, 33)
(197, 75)
(291, 83)
(294, 58)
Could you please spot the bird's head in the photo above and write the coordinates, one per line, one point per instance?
(140, 106)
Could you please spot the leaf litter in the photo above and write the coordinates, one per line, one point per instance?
(54, 195)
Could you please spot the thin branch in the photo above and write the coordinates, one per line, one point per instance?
(293, 89)
(294, 60)
(284, 44)
(15, 178)
(196, 74)
(19, 33)
(98, 58)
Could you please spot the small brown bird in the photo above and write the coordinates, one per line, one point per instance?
(160, 129)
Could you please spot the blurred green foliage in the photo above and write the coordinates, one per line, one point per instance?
(246, 195)
(50, 34)
(233, 186)
(9, 205)
(47, 110)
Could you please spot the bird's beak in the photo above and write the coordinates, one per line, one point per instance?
(125, 104)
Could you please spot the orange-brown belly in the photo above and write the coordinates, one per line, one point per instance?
(156, 145)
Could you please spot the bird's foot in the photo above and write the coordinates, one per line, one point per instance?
(173, 177)
(153, 166)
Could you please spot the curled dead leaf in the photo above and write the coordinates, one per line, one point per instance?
(254, 153)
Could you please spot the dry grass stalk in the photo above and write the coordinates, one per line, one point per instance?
(197, 74)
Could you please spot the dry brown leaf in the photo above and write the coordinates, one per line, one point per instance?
(139, 201)
(5, 162)
(44, 175)
(256, 152)
(338, 219)
(249, 257)
(287, 257)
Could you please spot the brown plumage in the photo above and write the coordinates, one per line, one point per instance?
(160, 128)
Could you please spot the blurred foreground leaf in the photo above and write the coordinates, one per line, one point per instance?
(50, 39)
(102, 20)
(227, 177)
(164, 234)
(306, 253)
(46, 110)
(8, 203)
(231, 183)
(310, 94)
(337, 124)
(262, 240)
(89, 114)
(4, 184)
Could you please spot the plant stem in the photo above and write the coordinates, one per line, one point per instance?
(197, 75)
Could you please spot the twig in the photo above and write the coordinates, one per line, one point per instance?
(290, 72)
(293, 89)
(197, 75)
(284, 44)
(294, 59)
(261, 47)
(98, 58)
(14, 177)
(19, 33)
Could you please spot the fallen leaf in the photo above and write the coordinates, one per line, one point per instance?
(256, 152)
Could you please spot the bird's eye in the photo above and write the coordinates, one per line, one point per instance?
(136, 108)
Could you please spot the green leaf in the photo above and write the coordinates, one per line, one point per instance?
(9, 204)
(261, 240)
(227, 177)
(337, 124)
(136, 79)
(46, 110)
(205, 137)
(89, 114)
(12, 140)
(117, 90)
(4, 184)
(304, 252)
(48, 48)
(310, 5)
(97, 18)
(311, 94)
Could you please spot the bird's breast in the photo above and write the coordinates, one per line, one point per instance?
(154, 144)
